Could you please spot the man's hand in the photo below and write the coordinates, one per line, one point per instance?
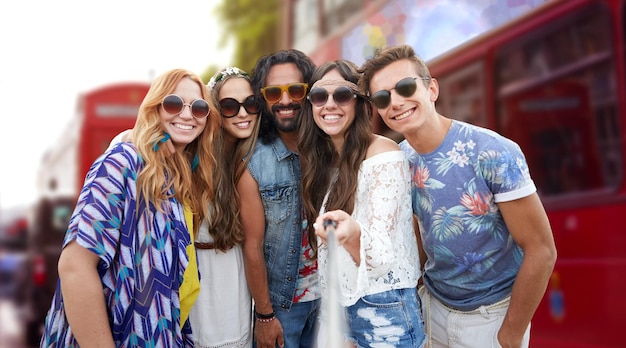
(268, 334)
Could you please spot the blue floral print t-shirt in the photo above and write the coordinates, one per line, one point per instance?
(472, 258)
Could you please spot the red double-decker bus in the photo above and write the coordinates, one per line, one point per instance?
(554, 81)
(101, 114)
(106, 111)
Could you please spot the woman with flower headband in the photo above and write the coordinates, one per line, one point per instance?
(222, 314)
(129, 245)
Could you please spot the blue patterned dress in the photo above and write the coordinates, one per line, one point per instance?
(142, 257)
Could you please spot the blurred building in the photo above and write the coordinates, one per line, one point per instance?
(353, 29)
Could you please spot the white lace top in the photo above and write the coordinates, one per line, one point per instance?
(389, 257)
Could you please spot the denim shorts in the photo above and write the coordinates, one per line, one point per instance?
(388, 319)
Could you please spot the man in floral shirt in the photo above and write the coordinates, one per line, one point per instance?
(488, 242)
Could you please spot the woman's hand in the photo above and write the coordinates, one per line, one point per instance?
(347, 231)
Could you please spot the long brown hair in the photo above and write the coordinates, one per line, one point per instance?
(224, 214)
(320, 155)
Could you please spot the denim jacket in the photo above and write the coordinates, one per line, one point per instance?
(277, 172)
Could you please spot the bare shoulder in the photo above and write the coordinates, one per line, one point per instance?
(247, 184)
(381, 144)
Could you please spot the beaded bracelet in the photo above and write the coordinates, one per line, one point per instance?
(265, 320)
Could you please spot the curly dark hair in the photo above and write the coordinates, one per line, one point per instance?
(267, 130)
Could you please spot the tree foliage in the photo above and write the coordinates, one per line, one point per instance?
(252, 27)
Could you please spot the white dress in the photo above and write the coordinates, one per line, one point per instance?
(222, 314)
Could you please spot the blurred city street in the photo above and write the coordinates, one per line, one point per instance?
(14, 281)
(11, 331)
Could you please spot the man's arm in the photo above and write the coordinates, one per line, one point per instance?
(266, 334)
(528, 223)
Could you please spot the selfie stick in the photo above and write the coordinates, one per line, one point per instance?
(332, 306)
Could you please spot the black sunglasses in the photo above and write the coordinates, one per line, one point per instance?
(295, 91)
(405, 88)
(174, 105)
(229, 107)
(342, 96)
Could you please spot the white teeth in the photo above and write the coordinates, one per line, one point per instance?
(403, 115)
(285, 111)
(182, 126)
(331, 117)
(242, 124)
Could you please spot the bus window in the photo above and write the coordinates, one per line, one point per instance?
(462, 94)
(557, 98)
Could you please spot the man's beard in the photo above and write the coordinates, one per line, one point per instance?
(286, 125)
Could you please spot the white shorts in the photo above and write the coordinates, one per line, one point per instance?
(450, 328)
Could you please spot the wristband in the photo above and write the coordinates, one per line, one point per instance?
(267, 317)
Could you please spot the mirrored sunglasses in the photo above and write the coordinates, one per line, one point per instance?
(405, 88)
(174, 105)
(342, 96)
(295, 91)
(229, 107)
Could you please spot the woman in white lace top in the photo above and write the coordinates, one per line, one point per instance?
(360, 181)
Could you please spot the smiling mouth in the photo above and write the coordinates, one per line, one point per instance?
(331, 117)
(286, 112)
(182, 126)
(404, 115)
(242, 124)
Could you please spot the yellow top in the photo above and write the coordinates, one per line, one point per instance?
(190, 288)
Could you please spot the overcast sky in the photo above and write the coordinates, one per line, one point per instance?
(54, 50)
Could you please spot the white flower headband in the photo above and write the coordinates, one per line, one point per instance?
(230, 71)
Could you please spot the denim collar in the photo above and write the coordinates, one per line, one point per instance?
(280, 150)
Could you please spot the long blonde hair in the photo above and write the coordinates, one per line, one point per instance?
(165, 174)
